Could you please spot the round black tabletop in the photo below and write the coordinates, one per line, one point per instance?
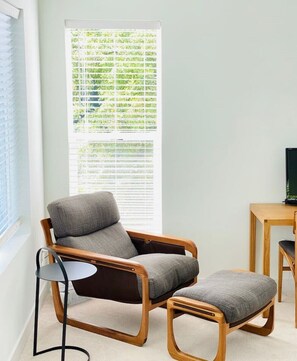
(75, 271)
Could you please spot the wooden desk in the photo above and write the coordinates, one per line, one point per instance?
(269, 214)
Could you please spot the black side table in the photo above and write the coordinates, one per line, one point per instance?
(59, 272)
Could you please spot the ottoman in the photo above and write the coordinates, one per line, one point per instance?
(230, 298)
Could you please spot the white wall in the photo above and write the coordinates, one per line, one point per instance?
(229, 111)
(17, 255)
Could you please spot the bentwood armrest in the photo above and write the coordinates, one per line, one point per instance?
(100, 259)
(189, 245)
(148, 237)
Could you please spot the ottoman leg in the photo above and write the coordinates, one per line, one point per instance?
(267, 328)
(212, 313)
(195, 308)
(221, 354)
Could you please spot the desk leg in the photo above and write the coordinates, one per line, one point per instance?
(252, 242)
(266, 248)
(266, 253)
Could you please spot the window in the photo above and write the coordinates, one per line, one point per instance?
(12, 112)
(115, 116)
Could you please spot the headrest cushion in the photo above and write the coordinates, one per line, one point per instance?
(83, 214)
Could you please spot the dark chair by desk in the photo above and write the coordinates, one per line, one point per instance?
(132, 267)
(287, 250)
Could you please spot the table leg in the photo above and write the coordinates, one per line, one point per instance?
(63, 347)
(64, 321)
(252, 242)
(36, 316)
(266, 248)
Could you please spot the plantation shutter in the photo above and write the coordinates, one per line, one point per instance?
(9, 200)
(114, 111)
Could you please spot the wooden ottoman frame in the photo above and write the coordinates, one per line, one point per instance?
(209, 312)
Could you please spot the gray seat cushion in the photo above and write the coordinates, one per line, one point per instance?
(166, 271)
(237, 294)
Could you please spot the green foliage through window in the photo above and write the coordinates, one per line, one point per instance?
(114, 135)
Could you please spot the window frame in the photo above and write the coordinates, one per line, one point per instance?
(154, 137)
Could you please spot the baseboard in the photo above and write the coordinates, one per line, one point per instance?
(27, 330)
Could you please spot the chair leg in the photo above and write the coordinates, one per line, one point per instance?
(280, 275)
(138, 340)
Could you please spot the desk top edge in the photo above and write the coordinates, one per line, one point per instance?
(277, 212)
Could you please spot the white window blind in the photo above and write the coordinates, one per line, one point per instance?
(115, 117)
(10, 101)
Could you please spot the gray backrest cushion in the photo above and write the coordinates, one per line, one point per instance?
(90, 222)
(83, 214)
(112, 241)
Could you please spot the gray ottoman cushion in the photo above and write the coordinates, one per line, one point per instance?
(237, 294)
(166, 271)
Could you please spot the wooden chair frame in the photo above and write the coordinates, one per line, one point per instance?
(291, 267)
(211, 313)
(116, 263)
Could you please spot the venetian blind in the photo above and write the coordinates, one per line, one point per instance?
(9, 207)
(114, 116)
